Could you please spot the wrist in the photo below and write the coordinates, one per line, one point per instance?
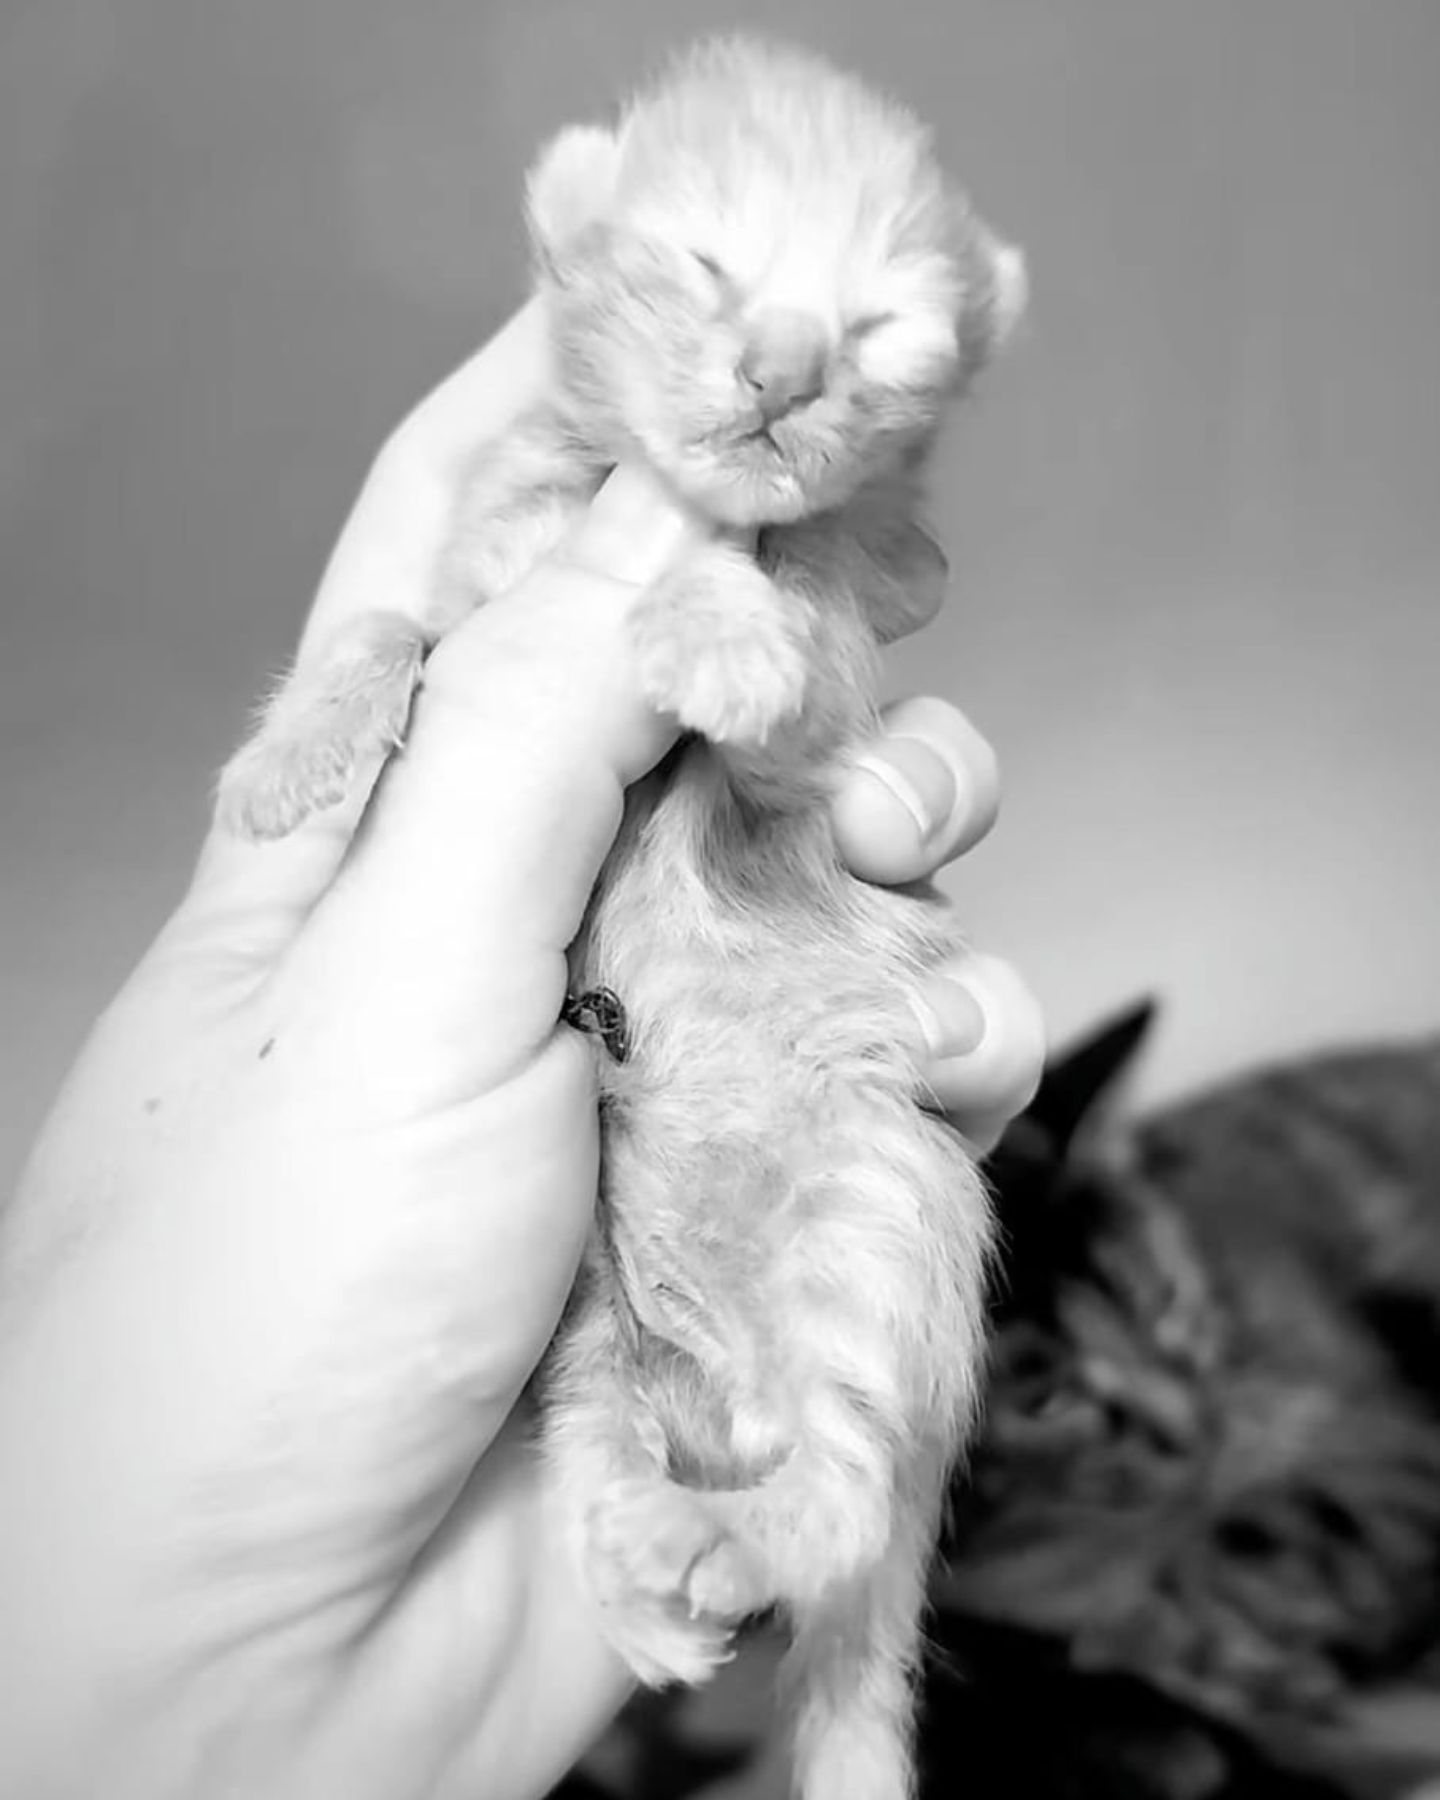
(125, 1664)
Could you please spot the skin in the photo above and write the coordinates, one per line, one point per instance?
(307, 1209)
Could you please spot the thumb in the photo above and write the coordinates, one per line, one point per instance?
(474, 865)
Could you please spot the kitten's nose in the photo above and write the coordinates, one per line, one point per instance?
(784, 361)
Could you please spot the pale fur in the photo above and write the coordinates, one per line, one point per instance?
(770, 1360)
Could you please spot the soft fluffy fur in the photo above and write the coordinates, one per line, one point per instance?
(762, 286)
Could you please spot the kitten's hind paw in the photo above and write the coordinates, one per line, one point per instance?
(324, 730)
(672, 1583)
(724, 1583)
(717, 649)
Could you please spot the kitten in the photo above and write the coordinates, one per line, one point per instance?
(761, 285)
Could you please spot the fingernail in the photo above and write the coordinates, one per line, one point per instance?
(951, 1019)
(918, 777)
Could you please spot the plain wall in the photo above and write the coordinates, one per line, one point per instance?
(1192, 520)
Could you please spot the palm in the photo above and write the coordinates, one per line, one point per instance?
(398, 1492)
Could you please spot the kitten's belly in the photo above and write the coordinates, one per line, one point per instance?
(771, 1182)
(786, 994)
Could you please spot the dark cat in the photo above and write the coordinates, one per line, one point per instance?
(1213, 1445)
(1212, 1453)
(1203, 1517)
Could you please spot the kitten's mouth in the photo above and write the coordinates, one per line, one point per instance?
(753, 471)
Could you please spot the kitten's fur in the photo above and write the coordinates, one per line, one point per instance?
(770, 1359)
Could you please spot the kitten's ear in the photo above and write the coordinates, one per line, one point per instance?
(1009, 291)
(571, 185)
(997, 291)
(1084, 1078)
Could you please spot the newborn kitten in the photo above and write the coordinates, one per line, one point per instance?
(761, 286)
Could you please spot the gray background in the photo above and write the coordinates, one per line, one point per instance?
(1192, 521)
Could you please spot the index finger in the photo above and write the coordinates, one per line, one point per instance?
(488, 831)
(384, 559)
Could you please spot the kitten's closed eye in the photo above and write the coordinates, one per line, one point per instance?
(718, 281)
(869, 323)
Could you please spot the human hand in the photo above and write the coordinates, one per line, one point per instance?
(304, 1218)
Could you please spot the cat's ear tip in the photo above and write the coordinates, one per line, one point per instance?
(1144, 1011)
(1080, 1079)
(1129, 1027)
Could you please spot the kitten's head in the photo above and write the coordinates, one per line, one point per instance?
(761, 280)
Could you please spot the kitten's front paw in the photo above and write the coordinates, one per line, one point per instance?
(323, 732)
(716, 649)
(277, 780)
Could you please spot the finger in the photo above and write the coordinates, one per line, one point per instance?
(984, 1042)
(384, 561)
(471, 874)
(386, 554)
(922, 793)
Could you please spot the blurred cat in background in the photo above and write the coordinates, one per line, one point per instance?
(1212, 1449)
